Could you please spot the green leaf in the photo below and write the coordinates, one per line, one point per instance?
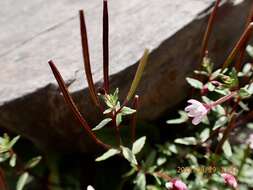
(204, 135)
(111, 152)
(33, 162)
(116, 94)
(207, 64)
(138, 75)
(138, 145)
(13, 141)
(227, 149)
(13, 160)
(250, 125)
(183, 118)
(22, 181)
(244, 93)
(249, 50)
(231, 80)
(4, 156)
(220, 122)
(128, 154)
(150, 160)
(102, 124)
(186, 141)
(127, 111)
(215, 74)
(109, 110)
(118, 119)
(140, 181)
(194, 83)
(210, 87)
(129, 173)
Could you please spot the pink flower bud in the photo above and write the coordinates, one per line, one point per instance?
(229, 180)
(204, 90)
(216, 83)
(197, 110)
(176, 184)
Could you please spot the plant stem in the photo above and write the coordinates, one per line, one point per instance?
(209, 29)
(86, 59)
(238, 64)
(106, 47)
(243, 40)
(134, 118)
(223, 99)
(68, 99)
(3, 184)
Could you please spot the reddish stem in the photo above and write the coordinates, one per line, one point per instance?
(243, 40)
(86, 58)
(223, 99)
(73, 106)
(238, 64)
(3, 184)
(106, 47)
(209, 29)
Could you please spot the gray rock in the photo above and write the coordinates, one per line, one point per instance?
(33, 32)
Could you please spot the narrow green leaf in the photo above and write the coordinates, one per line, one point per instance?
(102, 124)
(13, 141)
(227, 149)
(183, 118)
(194, 83)
(186, 141)
(150, 160)
(33, 162)
(249, 50)
(22, 181)
(204, 134)
(13, 160)
(111, 152)
(118, 119)
(127, 111)
(138, 145)
(140, 181)
(244, 93)
(220, 122)
(138, 75)
(128, 154)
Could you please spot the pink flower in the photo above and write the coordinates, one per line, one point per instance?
(197, 110)
(229, 180)
(176, 184)
(250, 141)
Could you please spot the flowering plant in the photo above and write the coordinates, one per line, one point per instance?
(212, 154)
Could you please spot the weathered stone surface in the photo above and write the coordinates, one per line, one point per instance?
(33, 32)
